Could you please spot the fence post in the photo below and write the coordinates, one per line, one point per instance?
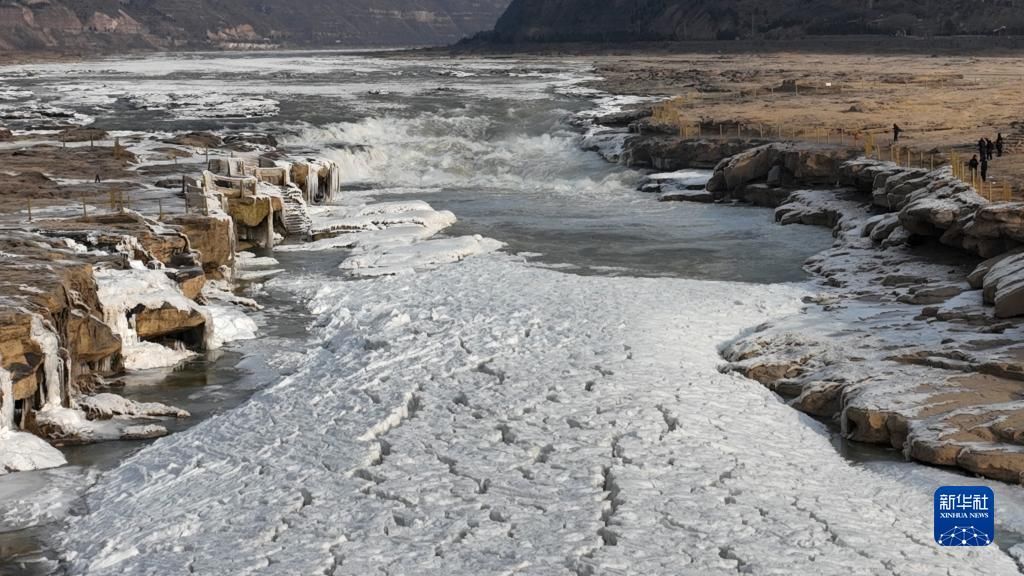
(29, 208)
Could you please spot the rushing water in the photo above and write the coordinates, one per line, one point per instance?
(496, 141)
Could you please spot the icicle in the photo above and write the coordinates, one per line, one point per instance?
(6, 400)
(334, 179)
(54, 370)
(312, 183)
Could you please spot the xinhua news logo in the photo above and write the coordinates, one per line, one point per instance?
(965, 516)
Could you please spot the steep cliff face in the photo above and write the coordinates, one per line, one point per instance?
(115, 24)
(646, 20)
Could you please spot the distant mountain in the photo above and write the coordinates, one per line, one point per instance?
(653, 20)
(124, 24)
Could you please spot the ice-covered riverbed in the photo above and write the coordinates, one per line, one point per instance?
(494, 417)
(553, 409)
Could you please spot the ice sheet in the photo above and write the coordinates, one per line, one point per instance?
(493, 418)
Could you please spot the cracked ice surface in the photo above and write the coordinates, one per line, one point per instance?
(490, 417)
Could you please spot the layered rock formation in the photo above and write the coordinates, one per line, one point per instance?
(119, 25)
(915, 343)
(84, 298)
(674, 20)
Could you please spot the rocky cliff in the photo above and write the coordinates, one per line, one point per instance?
(87, 25)
(647, 20)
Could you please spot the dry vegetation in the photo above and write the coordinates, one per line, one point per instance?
(943, 103)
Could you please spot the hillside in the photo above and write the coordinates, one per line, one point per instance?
(647, 20)
(88, 25)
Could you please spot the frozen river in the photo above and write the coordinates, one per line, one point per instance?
(554, 408)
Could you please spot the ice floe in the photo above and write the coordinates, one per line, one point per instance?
(420, 256)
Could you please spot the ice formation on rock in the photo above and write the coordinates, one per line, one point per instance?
(123, 292)
(21, 451)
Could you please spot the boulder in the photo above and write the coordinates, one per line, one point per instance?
(1000, 464)
(806, 163)
(998, 221)
(1009, 298)
(197, 140)
(155, 323)
(884, 227)
(821, 399)
(671, 153)
(624, 118)
(213, 236)
(701, 196)
(252, 211)
(6, 135)
(976, 279)
(1003, 285)
(79, 134)
(189, 280)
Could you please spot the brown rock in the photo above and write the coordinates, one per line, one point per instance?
(108, 231)
(197, 140)
(770, 373)
(189, 280)
(212, 236)
(669, 153)
(49, 281)
(934, 452)
(866, 425)
(822, 399)
(993, 463)
(249, 211)
(152, 324)
(79, 134)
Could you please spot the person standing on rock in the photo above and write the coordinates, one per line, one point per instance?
(982, 148)
(990, 149)
(973, 166)
(1000, 143)
(896, 131)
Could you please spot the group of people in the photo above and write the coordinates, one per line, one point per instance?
(987, 150)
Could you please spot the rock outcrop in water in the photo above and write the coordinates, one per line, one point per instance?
(80, 300)
(915, 343)
(939, 378)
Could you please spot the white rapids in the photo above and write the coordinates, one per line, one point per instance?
(491, 417)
